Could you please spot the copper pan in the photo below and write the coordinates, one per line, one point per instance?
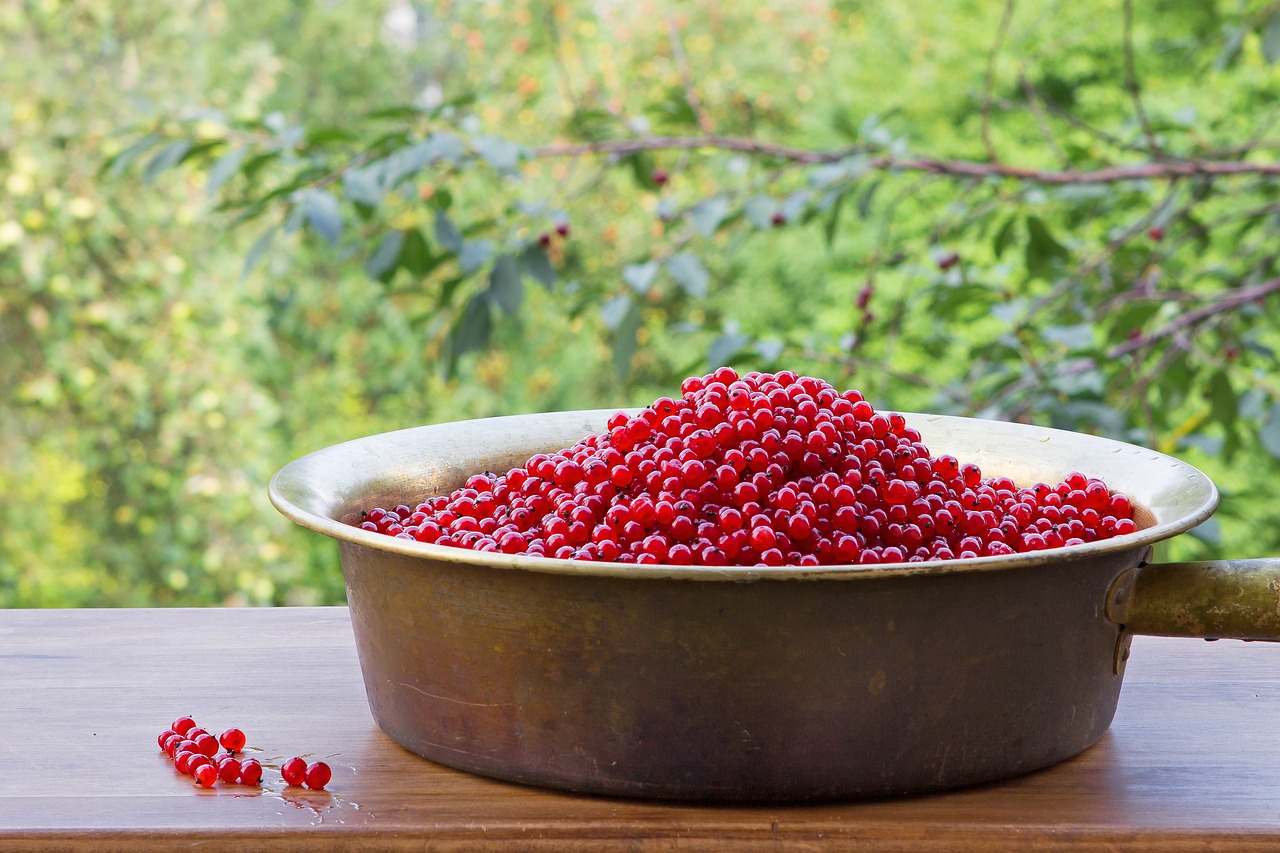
(760, 683)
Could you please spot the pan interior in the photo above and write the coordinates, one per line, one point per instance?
(328, 489)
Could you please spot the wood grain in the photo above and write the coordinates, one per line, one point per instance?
(1192, 761)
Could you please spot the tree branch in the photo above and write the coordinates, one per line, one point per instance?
(989, 80)
(705, 124)
(1229, 300)
(1131, 82)
(961, 169)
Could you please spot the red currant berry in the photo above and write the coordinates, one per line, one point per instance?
(197, 761)
(182, 760)
(164, 736)
(229, 770)
(232, 740)
(206, 775)
(182, 725)
(250, 771)
(317, 775)
(293, 771)
(207, 744)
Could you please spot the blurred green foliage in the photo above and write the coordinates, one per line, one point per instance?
(235, 232)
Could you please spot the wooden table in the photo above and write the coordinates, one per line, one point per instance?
(1192, 761)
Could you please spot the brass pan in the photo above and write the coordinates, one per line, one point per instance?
(742, 684)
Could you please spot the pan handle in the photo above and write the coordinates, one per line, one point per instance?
(1215, 599)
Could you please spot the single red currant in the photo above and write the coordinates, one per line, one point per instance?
(232, 740)
(206, 775)
(207, 744)
(197, 761)
(250, 771)
(293, 771)
(229, 770)
(317, 775)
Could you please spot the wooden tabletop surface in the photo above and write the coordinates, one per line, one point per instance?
(1192, 761)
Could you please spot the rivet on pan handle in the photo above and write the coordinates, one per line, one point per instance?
(1215, 599)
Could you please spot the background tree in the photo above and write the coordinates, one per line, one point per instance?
(316, 222)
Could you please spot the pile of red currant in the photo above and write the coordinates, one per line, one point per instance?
(195, 752)
(765, 469)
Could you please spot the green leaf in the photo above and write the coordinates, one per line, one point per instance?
(1209, 531)
(447, 234)
(613, 310)
(323, 214)
(396, 113)
(1010, 311)
(690, 274)
(1210, 445)
(642, 169)
(382, 263)
(842, 121)
(297, 216)
(1231, 48)
(641, 276)
(1092, 414)
(625, 340)
(966, 301)
(678, 113)
(362, 187)
(505, 287)
(845, 169)
(318, 136)
(439, 146)
(474, 327)
(416, 256)
(474, 254)
(724, 348)
(592, 124)
(1077, 337)
(167, 157)
(222, 171)
(501, 154)
(1270, 433)
(258, 162)
(832, 223)
(1087, 383)
(1044, 252)
(795, 205)
(1130, 318)
(760, 210)
(770, 349)
(707, 215)
(117, 164)
(1223, 404)
(1271, 38)
(259, 249)
(867, 197)
(1003, 236)
(535, 264)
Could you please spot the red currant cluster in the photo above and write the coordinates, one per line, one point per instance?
(195, 752)
(763, 469)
